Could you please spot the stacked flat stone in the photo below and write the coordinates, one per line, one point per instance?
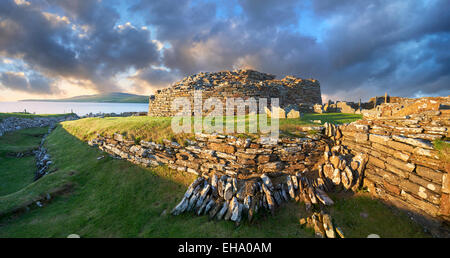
(215, 153)
(238, 84)
(400, 162)
(234, 172)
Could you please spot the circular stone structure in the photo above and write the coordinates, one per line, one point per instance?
(291, 91)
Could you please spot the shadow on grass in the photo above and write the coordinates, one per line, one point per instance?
(364, 214)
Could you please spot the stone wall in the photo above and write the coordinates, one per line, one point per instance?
(401, 107)
(221, 154)
(403, 167)
(393, 157)
(238, 84)
(10, 124)
(237, 176)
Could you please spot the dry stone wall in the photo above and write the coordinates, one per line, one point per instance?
(11, 124)
(403, 167)
(238, 84)
(221, 154)
(237, 177)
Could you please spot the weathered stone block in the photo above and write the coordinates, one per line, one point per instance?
(409, 167)
(391, 188)
(377, 162)
(444, 208)
(293, 114)
(446, 182)
(426, 152)
(383, 148)
(427, 184)
(413, 141)
(271, 167)
(401, 146)
(222, 147)
(379, 139)
(401, 156)
(419, 191)
(429, 208)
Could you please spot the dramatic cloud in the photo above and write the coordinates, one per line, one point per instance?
(83, 42)
(358, 47)
(153, 78)
(34, 84)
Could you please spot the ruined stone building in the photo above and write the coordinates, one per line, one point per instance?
(291, 91)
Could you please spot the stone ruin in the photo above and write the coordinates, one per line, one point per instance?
(382, 106)
(393, 157)
(291, 91)
(398, 107)
(403, 166)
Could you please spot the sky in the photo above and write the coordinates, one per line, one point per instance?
(355, 49)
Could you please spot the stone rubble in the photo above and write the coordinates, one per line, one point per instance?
(321, 223)
(43, 159)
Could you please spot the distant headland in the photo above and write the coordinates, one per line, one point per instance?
(112, 97)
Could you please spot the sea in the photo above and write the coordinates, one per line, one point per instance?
(80, 108)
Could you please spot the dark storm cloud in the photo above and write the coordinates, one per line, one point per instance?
(377, 46)
(34, 84)
(85, 45)
(388, 45)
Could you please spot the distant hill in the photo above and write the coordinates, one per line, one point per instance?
(113, 97)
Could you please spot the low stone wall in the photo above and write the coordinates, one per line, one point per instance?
(237, 157)
(403, 167)
(11, 124)
(237, 176)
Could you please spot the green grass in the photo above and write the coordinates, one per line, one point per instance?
(158, 128)
(16, 173)
(115, 198)
(443, 146)
(21, 140)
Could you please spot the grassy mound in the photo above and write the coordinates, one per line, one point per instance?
(114, 198)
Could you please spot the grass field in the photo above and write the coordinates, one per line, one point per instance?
(115, 198)
(16, 173)
(158, 128)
